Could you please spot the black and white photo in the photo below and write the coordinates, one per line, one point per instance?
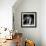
(28, 19)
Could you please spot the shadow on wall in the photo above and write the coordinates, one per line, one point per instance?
(27, 6)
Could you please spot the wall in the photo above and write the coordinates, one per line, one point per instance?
(35, 34)
(28, 6)
(6, 13)
(43, 22)
(6, 16)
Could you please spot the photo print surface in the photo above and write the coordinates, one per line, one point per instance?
(28, 19)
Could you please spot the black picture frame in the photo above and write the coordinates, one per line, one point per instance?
(28, 19)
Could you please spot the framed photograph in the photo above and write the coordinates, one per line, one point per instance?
(28, 19)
